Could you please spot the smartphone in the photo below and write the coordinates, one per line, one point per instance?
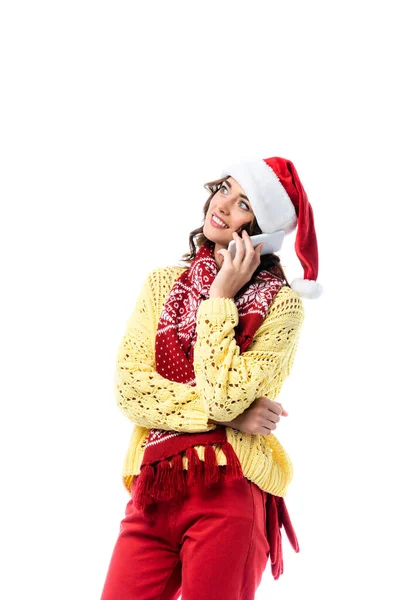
(272, 242)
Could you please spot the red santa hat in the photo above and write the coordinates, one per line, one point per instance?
(280, 202)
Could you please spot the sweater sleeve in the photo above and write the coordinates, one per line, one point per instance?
(144, 396)
(228, 382)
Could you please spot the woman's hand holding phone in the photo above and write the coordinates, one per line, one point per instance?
(236, 272)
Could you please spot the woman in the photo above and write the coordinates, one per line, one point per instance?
(204, 356)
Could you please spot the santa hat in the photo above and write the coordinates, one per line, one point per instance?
(280, 202)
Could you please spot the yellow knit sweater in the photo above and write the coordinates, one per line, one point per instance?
(227, 382)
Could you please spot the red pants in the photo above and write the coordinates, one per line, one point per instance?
(210, 545)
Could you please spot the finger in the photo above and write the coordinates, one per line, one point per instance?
(239, 248)
(248, 242)
(227, 256)
(272, 417)
(250, 252)
(276, 407)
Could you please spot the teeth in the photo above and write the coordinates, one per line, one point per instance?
(219, 222)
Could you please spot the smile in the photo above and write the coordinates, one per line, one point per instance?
(216, 222)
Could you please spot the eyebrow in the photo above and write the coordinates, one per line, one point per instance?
(230, 187)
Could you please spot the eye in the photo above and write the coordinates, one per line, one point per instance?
(223, 187)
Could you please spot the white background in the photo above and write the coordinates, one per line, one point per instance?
(113, 116)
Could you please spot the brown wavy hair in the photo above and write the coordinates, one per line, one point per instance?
(269, 262)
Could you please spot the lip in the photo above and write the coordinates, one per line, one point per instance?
(220, 219)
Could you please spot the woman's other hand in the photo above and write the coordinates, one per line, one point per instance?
(261, 417)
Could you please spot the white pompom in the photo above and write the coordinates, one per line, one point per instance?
(307, 288)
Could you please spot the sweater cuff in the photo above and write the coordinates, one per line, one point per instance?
(218, 310)
(198, 421)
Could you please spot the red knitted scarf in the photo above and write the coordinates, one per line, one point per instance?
(175, 340)
(174, 346)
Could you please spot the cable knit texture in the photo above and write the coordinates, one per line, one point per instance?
(227, 382)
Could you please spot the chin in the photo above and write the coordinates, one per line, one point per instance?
(215, 236)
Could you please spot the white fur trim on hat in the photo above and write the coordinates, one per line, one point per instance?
(307, 288)
(269, 200)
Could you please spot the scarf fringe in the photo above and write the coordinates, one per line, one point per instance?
(274, 537)
(277, 515)
(178, 477)
(233, 466)
(195, 465)
(284, 519)
(143, 483)
(211, 469)
(164, 481)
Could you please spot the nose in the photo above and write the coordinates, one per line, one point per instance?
(223, 205)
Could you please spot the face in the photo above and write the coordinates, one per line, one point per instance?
(232, 206)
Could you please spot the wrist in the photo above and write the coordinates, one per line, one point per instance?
(220, 293)
(224, 423)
